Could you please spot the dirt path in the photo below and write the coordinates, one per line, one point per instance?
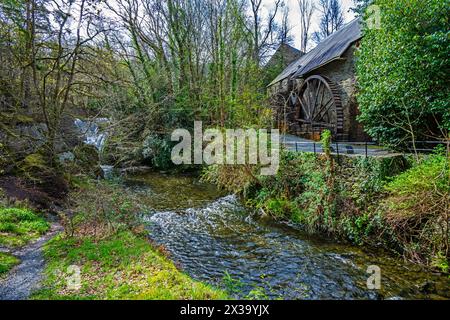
(27, 276)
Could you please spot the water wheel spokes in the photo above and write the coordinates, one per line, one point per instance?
(319, 107)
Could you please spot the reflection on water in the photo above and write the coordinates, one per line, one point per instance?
(171, 192)
(209, 234)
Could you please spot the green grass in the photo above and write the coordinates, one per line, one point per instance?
(417, 210)
(430, 175)
(19, 226)
(123, 266)
(7, 261)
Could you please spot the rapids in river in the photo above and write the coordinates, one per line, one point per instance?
(213, 238)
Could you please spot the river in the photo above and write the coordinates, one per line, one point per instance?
(212, 237)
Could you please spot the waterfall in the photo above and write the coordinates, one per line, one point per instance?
(93, 136)
(91, 132)
(108, 171)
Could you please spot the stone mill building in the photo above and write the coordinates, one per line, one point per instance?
(317, 90)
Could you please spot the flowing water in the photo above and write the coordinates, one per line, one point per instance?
(213, 238)
(91, 132)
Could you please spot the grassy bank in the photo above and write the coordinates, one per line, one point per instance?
(7, 262)
(106, 241)
(396, 203)
(18, 226)
(122, 266)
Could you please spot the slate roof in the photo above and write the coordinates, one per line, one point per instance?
(328, 50)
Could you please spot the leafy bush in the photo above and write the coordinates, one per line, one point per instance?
(87, 160)
(156, 150)
(356, 228)
(301, 191)
(365, 201)
(402, 71)
(233, 178)
(325, 139)
(100, 209)
(278, 207)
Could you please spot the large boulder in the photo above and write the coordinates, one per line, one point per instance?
(87, 159)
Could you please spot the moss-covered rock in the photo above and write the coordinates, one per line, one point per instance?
(87, 160)
(6, 159)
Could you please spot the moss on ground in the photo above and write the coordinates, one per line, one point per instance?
(7, 262)
(122, 266)
(18, 226)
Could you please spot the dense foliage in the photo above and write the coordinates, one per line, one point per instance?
(395, 201)
(147, 66)
(417, 209)
(403, 67)
(150, 66)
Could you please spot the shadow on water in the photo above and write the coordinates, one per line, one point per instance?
(211, 235)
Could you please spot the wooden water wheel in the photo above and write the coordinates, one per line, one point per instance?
(318, 107)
